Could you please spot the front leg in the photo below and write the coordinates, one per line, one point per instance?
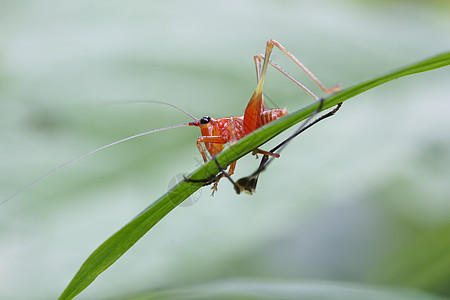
(210, 140)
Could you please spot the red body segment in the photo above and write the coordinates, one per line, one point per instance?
(217, 132)
(253, 112)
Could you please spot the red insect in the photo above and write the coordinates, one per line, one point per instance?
(218, 132)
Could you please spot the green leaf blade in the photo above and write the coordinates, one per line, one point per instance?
(119, 243)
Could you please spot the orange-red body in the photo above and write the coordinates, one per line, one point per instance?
(217, 132)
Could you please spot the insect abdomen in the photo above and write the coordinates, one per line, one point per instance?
(272, 114)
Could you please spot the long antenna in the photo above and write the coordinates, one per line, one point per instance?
(92, 152)
(155, 101)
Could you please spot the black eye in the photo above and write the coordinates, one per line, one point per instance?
(205, 120)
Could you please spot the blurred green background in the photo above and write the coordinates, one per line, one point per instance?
(362, 198)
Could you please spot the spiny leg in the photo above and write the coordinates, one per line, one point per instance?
(213, 139)
(305, 69)
(258, 59)
(214, 179)
(262, 72)
(223, 173)
(306, 126)
(204, 140)
(267, 60)
(257, 151)
(248, 184)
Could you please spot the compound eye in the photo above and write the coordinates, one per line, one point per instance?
(205, 120)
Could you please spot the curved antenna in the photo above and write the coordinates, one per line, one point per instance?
(156, 101)
(87, 154)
